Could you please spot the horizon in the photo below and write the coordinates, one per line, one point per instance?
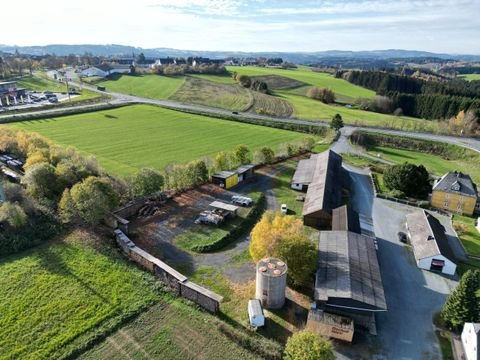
(254, 26)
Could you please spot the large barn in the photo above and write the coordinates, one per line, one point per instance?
(348, 280)
(322, 176)
(430, 243)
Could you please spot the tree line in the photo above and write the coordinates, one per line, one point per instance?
(417, 97)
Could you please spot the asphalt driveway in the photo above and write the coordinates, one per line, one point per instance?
(413, 296)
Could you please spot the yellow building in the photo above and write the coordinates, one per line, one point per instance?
(455, 192)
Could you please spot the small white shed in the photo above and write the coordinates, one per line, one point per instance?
(470, 340)
(255, 313)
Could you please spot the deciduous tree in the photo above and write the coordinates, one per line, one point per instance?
(306, 345)
(146, 181)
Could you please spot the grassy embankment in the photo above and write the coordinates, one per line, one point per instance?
(128, 138)
(470, 77)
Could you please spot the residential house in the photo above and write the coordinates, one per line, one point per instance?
(430, 243)
(470, 340)
(455, 192)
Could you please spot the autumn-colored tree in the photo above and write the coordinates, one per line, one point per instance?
(12, 214)
(221, 161)
(242, 154)
(283, 236)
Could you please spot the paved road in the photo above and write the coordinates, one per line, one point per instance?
(405, 331)
(119, 98)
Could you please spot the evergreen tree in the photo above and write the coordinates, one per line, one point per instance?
(463, 305)
(337, 122)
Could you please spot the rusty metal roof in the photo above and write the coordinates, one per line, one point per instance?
(346, 219)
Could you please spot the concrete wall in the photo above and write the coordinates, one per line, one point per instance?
(205, 298)
(448, 269)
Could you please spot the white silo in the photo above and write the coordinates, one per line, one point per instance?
(271, 283)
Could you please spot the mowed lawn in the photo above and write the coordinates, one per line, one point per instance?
(148, 86)
(304, 74)
(433, 163)
(57, 297)
(132, 137)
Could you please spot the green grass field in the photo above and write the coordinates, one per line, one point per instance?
(434, 164)
(148, 86)
(470, 77)
(128, 138)
(469, 236)
(305, 75)
(58, 296)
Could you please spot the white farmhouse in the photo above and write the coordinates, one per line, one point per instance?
(470, 340)
(430, 243)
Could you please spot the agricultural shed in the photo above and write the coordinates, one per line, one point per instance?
(226, 207)
(430, 243)
(245, 172)
(324, 192)
(348, 274)
(303, 174)
(330, 325)
(344, 218)
(225, 179)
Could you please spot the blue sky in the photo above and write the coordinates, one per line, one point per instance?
(256, 25)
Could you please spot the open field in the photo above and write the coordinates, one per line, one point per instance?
(172, 330)
(277, 82)
(219, 95)
(148, 86)
(307, 108)
(222, 79)
(128, 138)
(469, 236)
(58, 296)
(305, 75)
(270, 105)
(470, 77)
(435, 164)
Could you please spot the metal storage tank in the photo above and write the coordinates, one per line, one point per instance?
(271, 283)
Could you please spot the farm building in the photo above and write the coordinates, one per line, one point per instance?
(348, 281)
(228, 179)
(255, 313)
(330, 325)
(303, 174)
(225, 179)
(227, 208)
(455, 192)
(245, 172)
(344, 218)
(429, 242)
(104, 70)
(470, 340)
(322, 175)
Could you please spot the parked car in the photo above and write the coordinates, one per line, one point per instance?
(235, 112)
(241, 200)
(402, 237)
(284, 208)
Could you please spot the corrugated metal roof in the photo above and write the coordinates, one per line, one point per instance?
(348, 269)
(324, 191)
(224, 174)
(427, 236)
(244, 168)
(304, 172)
(224, 206)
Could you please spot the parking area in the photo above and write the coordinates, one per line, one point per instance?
(413, 296)
(34, 99)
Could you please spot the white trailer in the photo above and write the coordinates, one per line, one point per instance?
(255, 313)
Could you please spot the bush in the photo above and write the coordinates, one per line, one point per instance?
(412, 180)
(306, 345)
(326, 96)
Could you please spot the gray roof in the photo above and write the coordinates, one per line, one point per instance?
(348, 270)
(457, 183)
(427, 236)
(304, 172)
(346, 219)
(323, 193)
(244, 168)
(224, 174)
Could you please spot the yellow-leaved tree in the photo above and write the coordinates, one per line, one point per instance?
(283, 236)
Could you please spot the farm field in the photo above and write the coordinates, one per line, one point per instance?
(469, 236)
(434, 164)
(174, 330)
(219, 95)
(132, 137)
(148, 86)
(58, 296)
(306, 108)
(305, 75)
(470, 77)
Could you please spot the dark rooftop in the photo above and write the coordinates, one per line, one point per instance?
(348, 271)
(344, 218)
(456, 182)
